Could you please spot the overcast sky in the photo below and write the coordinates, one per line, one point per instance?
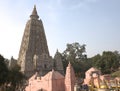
(95, 23)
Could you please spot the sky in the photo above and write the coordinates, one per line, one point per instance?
(95, 23)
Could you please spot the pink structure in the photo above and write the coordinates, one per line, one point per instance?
(93, 77)
(90, 74)
(69, 78)
(53, 81)
(117, 79)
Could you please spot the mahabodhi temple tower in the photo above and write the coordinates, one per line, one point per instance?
(34, 54)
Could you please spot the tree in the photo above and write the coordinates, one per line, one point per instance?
(11, 76)
(15, 77)
(108, 62)
(76, 54)
(95, 60)
(3, 70)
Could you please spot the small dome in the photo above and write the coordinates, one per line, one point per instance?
(53, 75)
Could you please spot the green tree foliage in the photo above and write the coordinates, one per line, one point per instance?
(108, 62)
(11, 76)
(76, 54)
(15, 77)
(3, 70)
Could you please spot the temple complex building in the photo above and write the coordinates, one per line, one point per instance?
(52, 81)
(34, 54)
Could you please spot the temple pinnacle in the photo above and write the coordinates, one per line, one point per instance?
(69, 64)
(34, 13)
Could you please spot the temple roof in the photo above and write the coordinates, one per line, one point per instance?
(53, 75)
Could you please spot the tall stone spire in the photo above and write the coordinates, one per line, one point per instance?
(34, 13)
(34, 53)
